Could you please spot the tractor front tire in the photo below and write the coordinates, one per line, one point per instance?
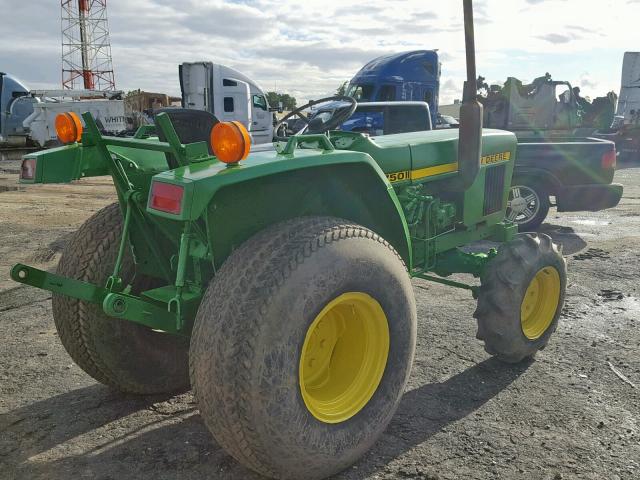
(302, 347)
(118, 353)
(521, 297)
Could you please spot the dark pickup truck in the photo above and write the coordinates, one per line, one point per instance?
(554, 157)
(576, 171)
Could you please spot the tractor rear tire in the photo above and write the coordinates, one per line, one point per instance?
(302, 347)
(521, 297)
(118, 353)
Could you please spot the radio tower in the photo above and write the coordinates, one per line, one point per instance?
(86, 50)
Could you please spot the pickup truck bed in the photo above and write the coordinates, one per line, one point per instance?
(576, 171)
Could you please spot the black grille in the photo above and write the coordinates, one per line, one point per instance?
(493, 189)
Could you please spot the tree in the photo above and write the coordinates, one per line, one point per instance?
(288, 102)
(482, 87)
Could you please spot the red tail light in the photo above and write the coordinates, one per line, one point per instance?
(28, 169)
(166, 197)
(609, 159)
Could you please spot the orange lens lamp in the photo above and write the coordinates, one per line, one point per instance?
(230, 141)
(68, 127)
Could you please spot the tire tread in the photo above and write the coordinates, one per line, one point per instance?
(502, 284)
(274, 254)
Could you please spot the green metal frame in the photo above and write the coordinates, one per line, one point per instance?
(223, 205)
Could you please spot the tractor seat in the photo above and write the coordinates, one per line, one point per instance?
(190, 125)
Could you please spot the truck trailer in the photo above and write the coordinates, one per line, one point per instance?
(629, 101)
(625, 131)
(27, 116)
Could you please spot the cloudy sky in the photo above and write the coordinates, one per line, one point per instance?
(309, 47)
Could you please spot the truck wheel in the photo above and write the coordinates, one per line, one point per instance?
(302, 347)
(528, 205)
(521, 297)
(123, 355)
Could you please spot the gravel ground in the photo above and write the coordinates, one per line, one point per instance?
(568, 414)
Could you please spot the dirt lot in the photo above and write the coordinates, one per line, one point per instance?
(464, 415)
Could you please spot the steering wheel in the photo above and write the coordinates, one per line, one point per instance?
(317, 125)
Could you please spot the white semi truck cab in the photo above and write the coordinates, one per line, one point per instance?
(229, 95)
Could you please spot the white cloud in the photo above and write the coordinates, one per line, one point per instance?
(309, 48)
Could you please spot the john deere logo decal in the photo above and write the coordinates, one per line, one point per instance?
(444, 168)
(495, 158)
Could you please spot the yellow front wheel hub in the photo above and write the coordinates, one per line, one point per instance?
(540, 303)
(343, 357)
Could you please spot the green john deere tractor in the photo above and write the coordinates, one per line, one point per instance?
(277, 283)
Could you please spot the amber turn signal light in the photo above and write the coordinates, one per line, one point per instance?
(230, 141)
(68, 127)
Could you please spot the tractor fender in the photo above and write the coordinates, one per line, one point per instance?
(237, 202)
(353, 191)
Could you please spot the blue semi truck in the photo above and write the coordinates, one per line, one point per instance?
(406, 76)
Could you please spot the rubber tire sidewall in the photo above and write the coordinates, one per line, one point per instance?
(503, 286)
(293, 443)
(119, 353)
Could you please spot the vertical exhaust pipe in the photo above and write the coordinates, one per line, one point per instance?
(470, 139)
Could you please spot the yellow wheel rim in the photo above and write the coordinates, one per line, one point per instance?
(343, 357)
(540, 303)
